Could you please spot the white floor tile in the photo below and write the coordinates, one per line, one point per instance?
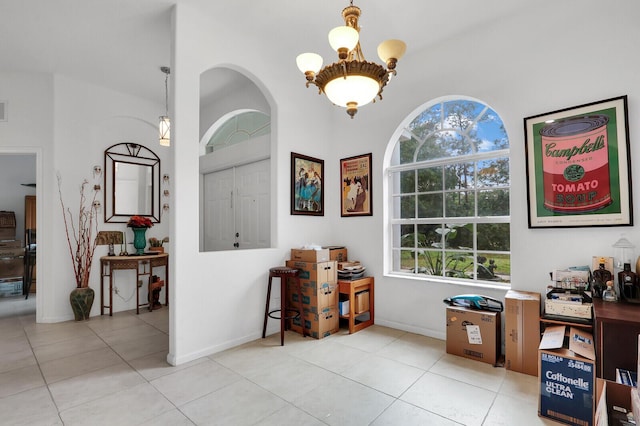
(113, 370)
(343, 402)
(194, 382)
(241, 403)
(401, 413)
(450, 398)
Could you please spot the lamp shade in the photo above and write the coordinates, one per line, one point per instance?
(309, 62)
(389, 49)
(352, 89)
(343, 38)
(165, 131)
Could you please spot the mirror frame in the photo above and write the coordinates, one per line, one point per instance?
(131, 153)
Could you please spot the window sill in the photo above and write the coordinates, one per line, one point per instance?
(462, 283)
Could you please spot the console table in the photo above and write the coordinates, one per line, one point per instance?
(143, 265)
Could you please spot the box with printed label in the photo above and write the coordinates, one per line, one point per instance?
(320, 272)
(522, 331)
(337, 253)
(474, 334)
(318, 324)
(567, 376)
(304, 255)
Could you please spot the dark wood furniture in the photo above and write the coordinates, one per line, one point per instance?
(143, 265)
(287, 310)
(617, 326)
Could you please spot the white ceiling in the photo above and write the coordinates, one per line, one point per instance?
(121, 44)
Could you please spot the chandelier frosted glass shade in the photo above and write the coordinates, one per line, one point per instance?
(351, 82)
(165, 131)
(343, 39)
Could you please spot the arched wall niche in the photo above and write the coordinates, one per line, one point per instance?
(236, 183)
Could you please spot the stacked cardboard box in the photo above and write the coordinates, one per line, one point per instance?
(319, 282)
(567, 375)
(522, 329)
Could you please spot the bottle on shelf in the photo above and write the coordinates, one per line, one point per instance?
(600, 278)
(609, 294)
(627, 283)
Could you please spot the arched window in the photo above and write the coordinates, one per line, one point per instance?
(448, 195)
(236, 127)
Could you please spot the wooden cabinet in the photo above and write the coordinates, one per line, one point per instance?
(29, 212)
(360, 294)
(617, 326)
(30, 223)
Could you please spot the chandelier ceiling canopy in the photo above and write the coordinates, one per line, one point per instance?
(352, 81)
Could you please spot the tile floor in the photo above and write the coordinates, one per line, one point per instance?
(112, 371)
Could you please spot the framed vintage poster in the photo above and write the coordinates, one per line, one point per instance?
(355, 178)
(578, 166)
(307, 195)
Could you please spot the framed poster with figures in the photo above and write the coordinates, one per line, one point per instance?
(307, 194)
(355, 178)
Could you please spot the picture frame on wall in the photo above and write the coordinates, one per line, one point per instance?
(307, 193)
(356, 182)
(578, 166)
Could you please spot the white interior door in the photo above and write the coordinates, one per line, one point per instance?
(218, 210)
(236, 207)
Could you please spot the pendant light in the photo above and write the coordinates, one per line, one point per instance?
(165, 124)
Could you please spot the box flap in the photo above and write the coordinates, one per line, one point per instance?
(553, 337)
(581, 343)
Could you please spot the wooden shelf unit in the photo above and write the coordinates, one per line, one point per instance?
(348, 289)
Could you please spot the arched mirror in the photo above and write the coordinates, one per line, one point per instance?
(131, 183)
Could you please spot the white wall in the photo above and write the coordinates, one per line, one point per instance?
(538, 61)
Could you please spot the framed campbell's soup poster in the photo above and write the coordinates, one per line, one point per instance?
(578, 166)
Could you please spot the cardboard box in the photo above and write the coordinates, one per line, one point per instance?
(362, 302)
(568, 309)
(522, 330)
(319, 284)
(474, 334)
(11, 287)
(320, 272)
(320, 324)
(615, 403)
(567, 376)
(303, 255)
(337, 253)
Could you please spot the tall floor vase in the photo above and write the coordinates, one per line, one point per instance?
(139, 239)
(81, 302)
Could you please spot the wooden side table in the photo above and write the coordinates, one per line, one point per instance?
(143, 265)
(350, 288)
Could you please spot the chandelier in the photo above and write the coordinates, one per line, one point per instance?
(352, 81)
(165, 123)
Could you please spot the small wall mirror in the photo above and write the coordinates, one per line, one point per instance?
(131, 183)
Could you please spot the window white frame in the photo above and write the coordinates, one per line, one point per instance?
(388, 195)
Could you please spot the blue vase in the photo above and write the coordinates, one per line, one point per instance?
(139, 239)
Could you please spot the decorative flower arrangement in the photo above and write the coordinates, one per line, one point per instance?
(139, 222)
(155, 242)
(80, 234)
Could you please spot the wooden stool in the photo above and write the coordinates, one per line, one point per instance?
(284, 273)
